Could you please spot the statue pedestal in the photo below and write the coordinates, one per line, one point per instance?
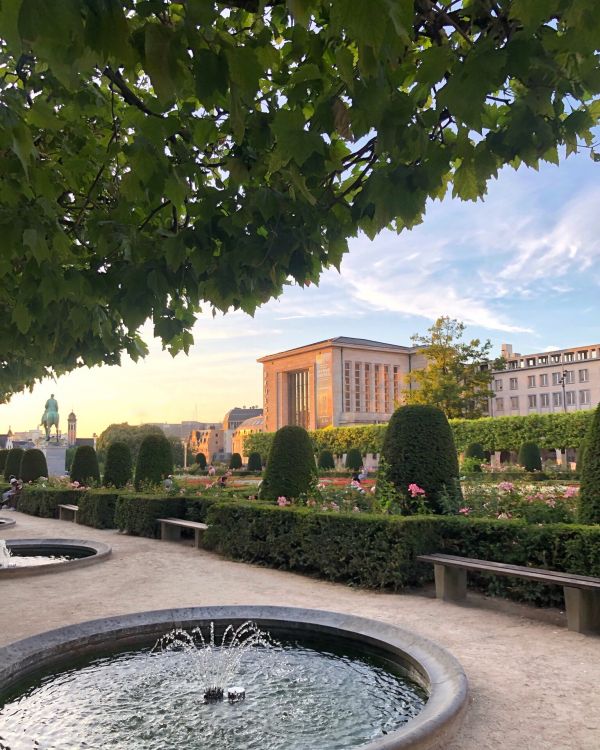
(55, 458)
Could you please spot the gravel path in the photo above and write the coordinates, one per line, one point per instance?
(534, 685)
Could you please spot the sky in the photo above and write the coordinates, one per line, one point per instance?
(522, 267)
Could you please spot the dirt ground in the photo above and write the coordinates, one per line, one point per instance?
(534, 685)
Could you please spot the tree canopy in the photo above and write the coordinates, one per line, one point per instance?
(458, 374)
(158, 156)
(131, 435)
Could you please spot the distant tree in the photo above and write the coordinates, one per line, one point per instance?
(235, 462)
(84, 468)
(354, 459)
(132, 435)
(118, 466)
(201, 461)
(13, 463)
(33, 465)
(69, 455)
(458, 374)
(154, 461)
(326, 460)
(177, 450)
(254, 462)
(589, 493)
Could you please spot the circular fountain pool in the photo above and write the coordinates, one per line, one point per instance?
(35, 556)
(6, 522)
(333, 682)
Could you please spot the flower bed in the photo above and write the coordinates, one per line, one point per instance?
(534, 503)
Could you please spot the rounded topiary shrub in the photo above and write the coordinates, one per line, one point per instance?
(84, 468)
(3, 457)
(33, 465)
(530, 457)
(118, 467)
(201, 461)
(254, 462)
(418, 449)
(291, 469)
(235, 462)
(326, 460)
(13, 463)
(475, 450)
(154, 462)
(354, 459)
(589, 491)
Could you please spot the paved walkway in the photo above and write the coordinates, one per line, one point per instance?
(534, 685)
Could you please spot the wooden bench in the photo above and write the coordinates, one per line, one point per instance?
(67, 512)
(582, 593)
(170, 529)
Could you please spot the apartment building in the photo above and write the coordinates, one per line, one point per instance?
(558, 381)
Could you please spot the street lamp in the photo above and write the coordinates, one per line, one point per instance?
(562, 380)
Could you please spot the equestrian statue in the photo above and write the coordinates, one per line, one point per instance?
(50, 417)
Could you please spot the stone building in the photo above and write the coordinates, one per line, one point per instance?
(337, 382)
(216, 440)
(564, 380)
(247, 427)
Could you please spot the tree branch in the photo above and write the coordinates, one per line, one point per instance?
(126, 92)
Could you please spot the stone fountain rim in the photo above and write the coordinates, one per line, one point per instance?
(5, 523)
(441, 673)
(100, 551)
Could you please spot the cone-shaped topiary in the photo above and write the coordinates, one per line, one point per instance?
(581, 455)
(254, 462)
(33, 465)
(530, 457)
(13, 463)
(589, 491)
(3, 457)
(291, 469)
(354, 459)
(235, 462)
(326, 461)
(201, 460)
(118, 467)
(84, 468)
(155, 461)
(475, 450)
(418, 449)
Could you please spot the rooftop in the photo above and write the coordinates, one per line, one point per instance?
(340, 341)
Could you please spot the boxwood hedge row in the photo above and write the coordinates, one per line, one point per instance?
(44, 502)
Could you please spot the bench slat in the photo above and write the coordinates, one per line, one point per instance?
(504, 569)
(69, 507)
(185, 524)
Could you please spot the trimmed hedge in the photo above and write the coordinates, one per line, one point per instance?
(97, 508)
(137, 514)
(380, 551)
(118, 467)
(13, 463)
(529, 457)
(475, 450)
(44, 501)
(354, 459)
(84, 468)
(589, 496)
(291, 468)
(3, 457)
(154, 461)
(326, 460)
(33, 465)
(254, 462)
(235, 462)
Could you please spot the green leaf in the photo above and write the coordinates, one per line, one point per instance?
(22, 318)
(157, 56)
(533, 12)
(244, 70)
(293, 141)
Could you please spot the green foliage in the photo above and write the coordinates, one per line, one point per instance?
(453, 378)
(12, 466)
(470, 466)
(529, 457)
(118, 466)
(419, 449)
(354, 459)
(177, 451)
(132, 435)
(44, 502)
(154, 461)
(589, 496)
(215, 166)
(33, 465)
(69, 456)
(84, 468)
(475, 450)
(97, 509)
(326, 461)
(138, 514)
(291, 469)
(254, 462)
(3, 457)
(235, 462)
(201, 461)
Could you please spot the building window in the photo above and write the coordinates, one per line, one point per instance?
(397, 384)
(357, 386)
(298, 398)
(377, 388)
(367, 373)
(556, 376)
(531, 381)
(571, 398)
(514, 384)
(499, 404)
(514, 402)
(584, 376)
(387, 407)
(555, 358)
(584, 397)
(513, 364)
(544, 379)
(543, 360)
(545, 400)
(347, 386)
(582, 355)
(498, 385)
(568, 357)
(532, 401)
(531, 362)
(569, 376)
(557, 399)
